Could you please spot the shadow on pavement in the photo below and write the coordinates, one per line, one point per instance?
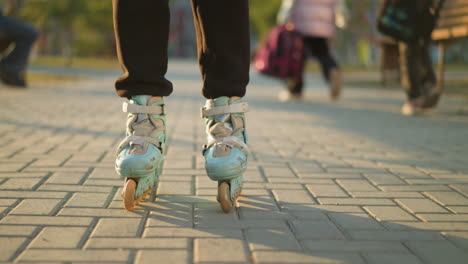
(304, 233)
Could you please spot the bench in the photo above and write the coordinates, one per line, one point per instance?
(451, 27)
(389, 63)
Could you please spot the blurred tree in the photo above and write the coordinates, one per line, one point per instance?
(96, 35)
(84, 27)
(71, 27)
(263, 16)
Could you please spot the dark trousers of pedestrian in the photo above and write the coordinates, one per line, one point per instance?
(316, 47)
(23, 36)
(222, 30)
(417, 75)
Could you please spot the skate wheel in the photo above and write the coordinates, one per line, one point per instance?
(224, 197)
(129, 194)
(143, 197)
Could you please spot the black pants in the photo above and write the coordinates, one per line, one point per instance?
(318, 48)
(142, 31)
(417, 76)
(23, 36)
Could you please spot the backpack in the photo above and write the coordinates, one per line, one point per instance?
(281, 54)
(408, 20)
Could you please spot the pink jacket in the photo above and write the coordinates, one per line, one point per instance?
(314, 17)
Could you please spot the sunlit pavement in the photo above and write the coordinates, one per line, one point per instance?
(346, 182)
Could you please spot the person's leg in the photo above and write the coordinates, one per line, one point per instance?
(142, 32)
(23, 35)
(410, 73)
(295, 85)
(318, 47)
(222, 28)
(223, 38)
(427, 71)
(429, 80)
(417, 77)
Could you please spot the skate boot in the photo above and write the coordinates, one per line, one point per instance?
(226, 151)
(140, 154)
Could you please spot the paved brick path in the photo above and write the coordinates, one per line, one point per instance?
(352, 182)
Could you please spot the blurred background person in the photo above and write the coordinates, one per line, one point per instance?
(417, 73)
(315, 20)
(22, 36)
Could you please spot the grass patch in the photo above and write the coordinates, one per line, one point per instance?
(314, 66)
(44, 78)
(89, 63)
(455, 67)
(457, 87)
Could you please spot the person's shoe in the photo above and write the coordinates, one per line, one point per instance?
(140, 154)
(411, 108)
(15, 80)
(226, 152)
(431, 100)
(335, 84)
(408, 109)
(286, 96)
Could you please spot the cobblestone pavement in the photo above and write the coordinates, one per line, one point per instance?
(353, 182)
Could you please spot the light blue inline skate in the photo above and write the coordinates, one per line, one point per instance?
(140, 154)
(226, 152)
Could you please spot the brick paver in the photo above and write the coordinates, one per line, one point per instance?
(352, 182)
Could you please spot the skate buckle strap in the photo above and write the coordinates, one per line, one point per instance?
(143, 109)
(138, 140)
(225, 109)
(232, 141)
